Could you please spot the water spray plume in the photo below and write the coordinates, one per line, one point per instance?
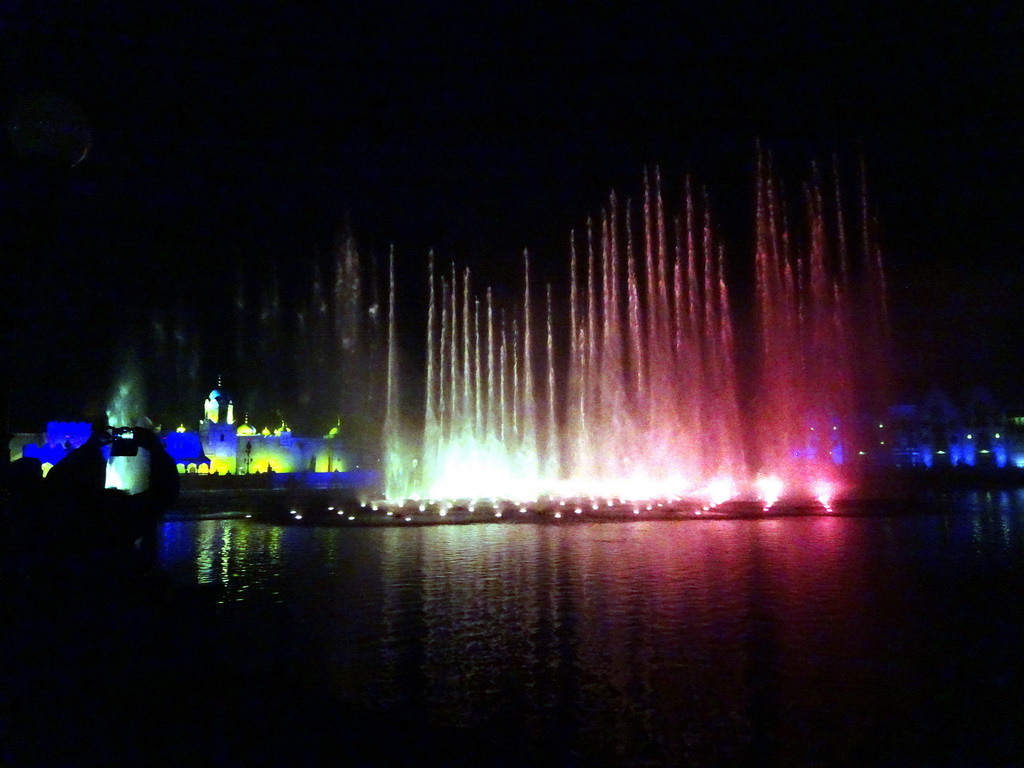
(824, 492)
(770, 490)
(654, 393)
(126, 409)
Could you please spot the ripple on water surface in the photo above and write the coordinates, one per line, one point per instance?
(797, 640)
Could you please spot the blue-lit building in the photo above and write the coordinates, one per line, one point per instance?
(940, 432)
(937, 432)
(59, 439)
(216, 444)
(227, 447)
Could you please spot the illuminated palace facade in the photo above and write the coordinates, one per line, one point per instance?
(216, 446)
(937, 432)
(239, 449)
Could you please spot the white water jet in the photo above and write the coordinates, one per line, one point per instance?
(126, 408)
(650, 400)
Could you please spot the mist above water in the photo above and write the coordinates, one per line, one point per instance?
(661, 389)
(126, 408)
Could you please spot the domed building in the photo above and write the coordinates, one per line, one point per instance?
(217, 432)
(219, 408)
(227, 449)
(214, 446)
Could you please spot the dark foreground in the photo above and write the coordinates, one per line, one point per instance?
(808, 640)
(138, 674)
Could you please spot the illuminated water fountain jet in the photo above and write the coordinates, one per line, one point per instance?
(658, 397)
(126, 409)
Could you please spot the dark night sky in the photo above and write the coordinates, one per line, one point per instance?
(236, 133)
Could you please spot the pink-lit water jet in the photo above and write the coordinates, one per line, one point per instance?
(656, 395)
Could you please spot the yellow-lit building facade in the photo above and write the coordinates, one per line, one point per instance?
(221, 446)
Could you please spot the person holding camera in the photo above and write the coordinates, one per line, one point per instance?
(79, 517)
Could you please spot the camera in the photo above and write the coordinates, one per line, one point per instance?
(123, 442)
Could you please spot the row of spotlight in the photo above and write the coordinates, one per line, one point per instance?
(409, 509)
(555, 508)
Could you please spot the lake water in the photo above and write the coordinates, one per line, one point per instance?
(799, 641)
(886, 641)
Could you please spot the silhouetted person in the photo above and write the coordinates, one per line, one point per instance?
(83, 470)
(148, 507)
(22, 490)
(69, 519)
(23, 477)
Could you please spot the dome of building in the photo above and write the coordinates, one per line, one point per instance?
(219, 408)
(218, 392)
(333, 432)
(220, 395)
(266, 432)
(246, 430)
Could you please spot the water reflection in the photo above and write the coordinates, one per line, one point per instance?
(836, 640)
(220, 552)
